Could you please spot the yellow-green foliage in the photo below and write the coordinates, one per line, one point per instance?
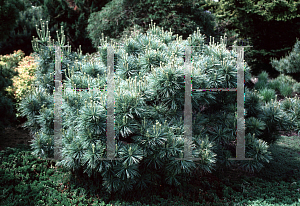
(7, 65)
(23, 81)
(12, 60)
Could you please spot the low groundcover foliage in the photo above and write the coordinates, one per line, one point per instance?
(149, 105)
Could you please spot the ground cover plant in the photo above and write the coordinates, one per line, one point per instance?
(27, 180)
(156, 168)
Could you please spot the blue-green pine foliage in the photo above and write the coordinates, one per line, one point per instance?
(290, 64)
(149, 104)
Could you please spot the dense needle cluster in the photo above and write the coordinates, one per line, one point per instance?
(149, 105)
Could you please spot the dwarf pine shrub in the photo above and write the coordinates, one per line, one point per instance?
(296, 87)
(283, 83)
(291, 107)
(262, 80)
(286, 89)
(286, 79)
(274, 84)
(149, 105)
(267, 94)
(290, 64)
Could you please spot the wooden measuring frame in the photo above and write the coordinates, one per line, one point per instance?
(240, 149)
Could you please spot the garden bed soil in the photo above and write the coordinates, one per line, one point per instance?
(14, 135)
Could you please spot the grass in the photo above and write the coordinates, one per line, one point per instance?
(26, 180)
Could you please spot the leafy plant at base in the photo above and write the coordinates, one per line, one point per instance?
(149, 105)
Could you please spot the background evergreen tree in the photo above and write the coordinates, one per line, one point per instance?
(118, 16)
(270, 26)
(9, 13)
(73, 16)
(21, 35)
